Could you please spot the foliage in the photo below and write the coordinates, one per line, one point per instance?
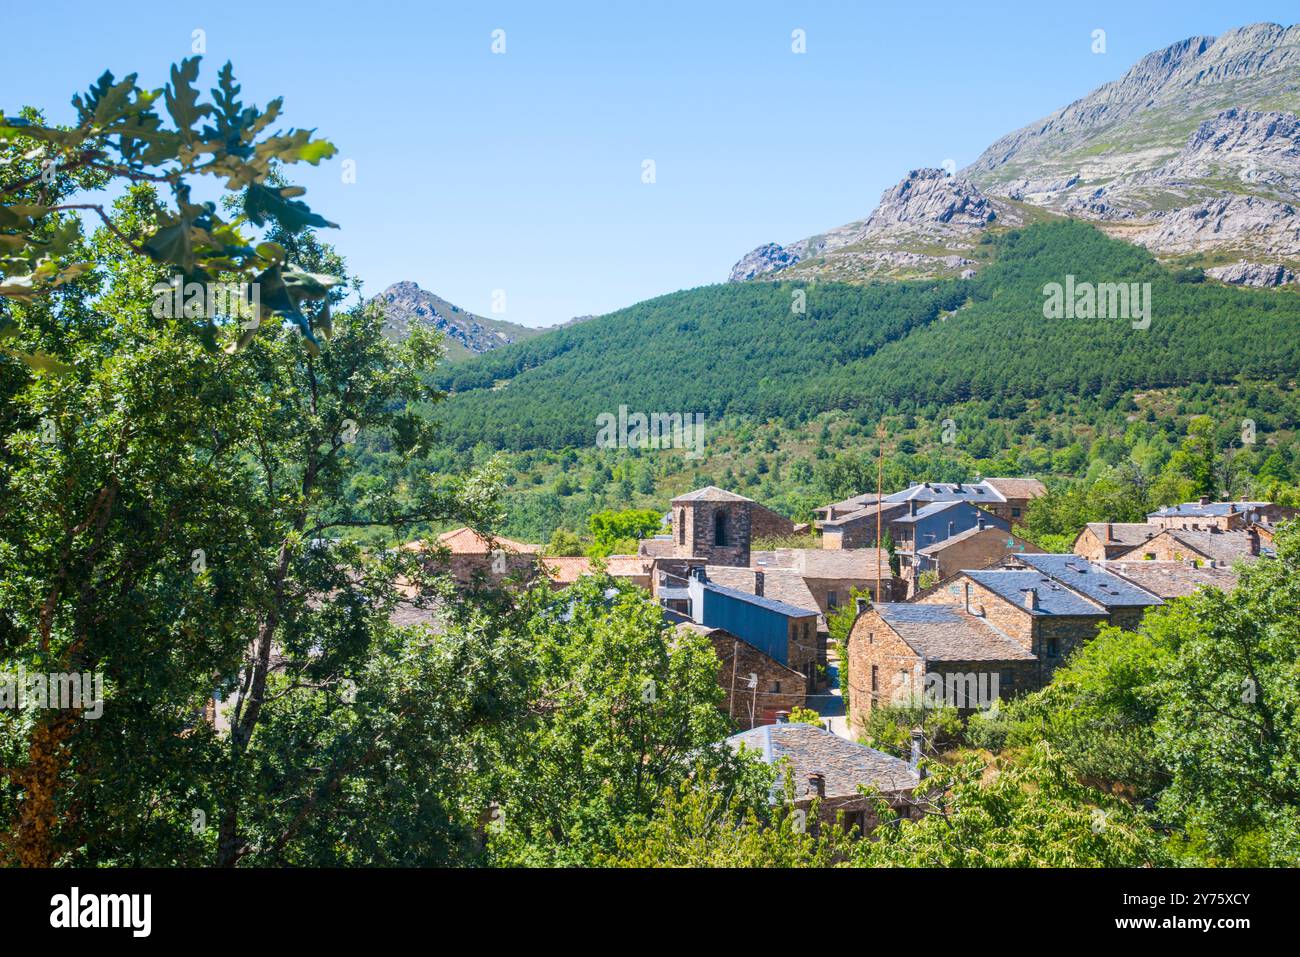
(1028, 813)
(122, 138)
(618, 532)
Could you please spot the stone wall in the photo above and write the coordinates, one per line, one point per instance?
(778, 688)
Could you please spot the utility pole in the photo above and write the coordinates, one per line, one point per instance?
(880, 485)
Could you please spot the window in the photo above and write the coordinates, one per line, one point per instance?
(720, 528)
(681, 526)
(776, 687)
(1150, 556)
(1052, 648)
(875, 678)
(832, 600)
(1015, 513)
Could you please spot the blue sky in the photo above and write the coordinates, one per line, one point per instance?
(522, 171)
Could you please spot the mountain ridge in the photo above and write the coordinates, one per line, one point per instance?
(1194, 153)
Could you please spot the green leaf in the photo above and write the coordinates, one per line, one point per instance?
(263, 204)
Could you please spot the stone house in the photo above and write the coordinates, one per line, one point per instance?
(856, 528)
(830, 576)
(1225, 516)
(831, 769)
(1169, 580)
(1203, 546)
(784, 632)
(941, 654)
(757, 687)
(923, 525)
(1098, 541)
(1044, 618)
(977, 547)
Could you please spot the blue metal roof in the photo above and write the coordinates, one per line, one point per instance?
(1053, 598)
(1095, 582)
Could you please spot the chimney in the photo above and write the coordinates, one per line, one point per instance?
(951, 527)
(783, 717)
(817, 784)
(911, 506)
(918, 738)
(758, 584)
(1252, 536)
(861, 605)
(966, 595)
(1205, 500)
(1110, 532)
(1031, 599)
(979, 523)
(697, 572)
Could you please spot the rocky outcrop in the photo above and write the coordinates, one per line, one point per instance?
(927, 208)
(1237, 222)
(405, 304)
(1252, 274)
(765, 259)
(929, 200)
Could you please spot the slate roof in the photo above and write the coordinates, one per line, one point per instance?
(1053, 598)
(867, 512)
(949, 633)
(1211, 510)
(657, 547)
(825, 562)
(1222, 546)
(925, 511)
(1124, 533)
(762, 601)
(844, 764)
(1173, 579)
(782, 586)
(976, 492)
(1092, 580)
(711, 493)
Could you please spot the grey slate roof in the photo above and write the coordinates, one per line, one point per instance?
(1053, 598)
(1173, 579)
(771, 604)
(925, 511)
(845, 764)
(1124, 533)
(825, 562)
(1092, 580)
(1221, 546)
(779, 584)
(711, 493)
(949, 633)
(976, 492)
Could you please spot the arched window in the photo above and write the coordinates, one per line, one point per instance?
(720, 528)
(681, 526)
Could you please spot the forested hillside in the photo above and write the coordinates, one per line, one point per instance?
(741, 350)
